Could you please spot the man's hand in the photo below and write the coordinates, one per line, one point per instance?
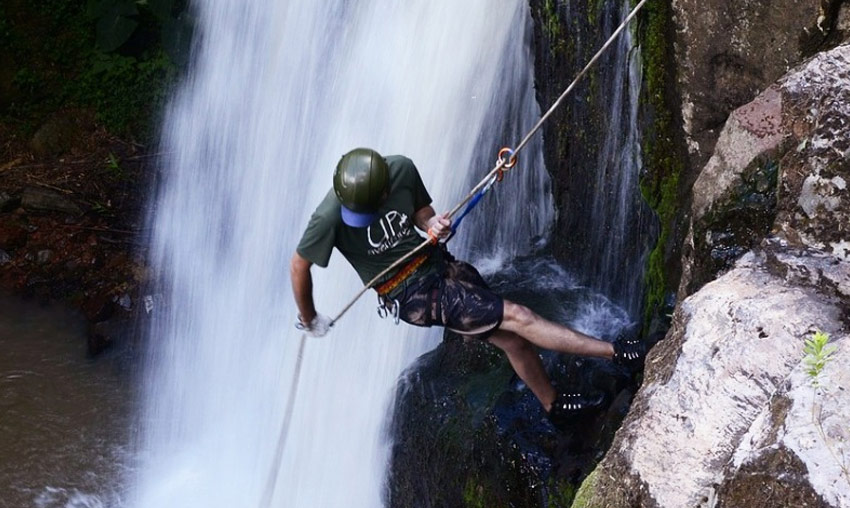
(317, 327)
(439, 226)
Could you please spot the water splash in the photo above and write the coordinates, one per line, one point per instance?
(278, 91)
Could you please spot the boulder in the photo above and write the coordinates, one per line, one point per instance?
(44, 200)
(728, 415)
(728, 51)
(781, 165)
(56, 136)
(725, 413)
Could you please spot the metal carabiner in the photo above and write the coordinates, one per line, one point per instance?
(382, 308)
(395, 312)
(392, 310)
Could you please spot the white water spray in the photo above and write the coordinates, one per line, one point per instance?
(278, 91)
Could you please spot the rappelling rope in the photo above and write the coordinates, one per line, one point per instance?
(503, 164)
(271, 482)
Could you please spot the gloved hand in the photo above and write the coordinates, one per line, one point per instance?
(317, 327)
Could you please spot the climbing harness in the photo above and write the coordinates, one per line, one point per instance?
(402, 275)
(503, 164)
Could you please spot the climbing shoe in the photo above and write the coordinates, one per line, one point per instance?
(629, 352)
(569, 407)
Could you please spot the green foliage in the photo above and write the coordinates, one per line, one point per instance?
(664, 166)
(118, 58)
(126, 91)
(817, 354)
(113, 168)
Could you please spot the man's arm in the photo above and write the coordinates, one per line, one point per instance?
(427, 219)
(302, 287)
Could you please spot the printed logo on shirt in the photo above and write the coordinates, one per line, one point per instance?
(388, 232)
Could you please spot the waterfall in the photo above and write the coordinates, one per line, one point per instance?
(608, 228)
(276, 93)
(618, 215)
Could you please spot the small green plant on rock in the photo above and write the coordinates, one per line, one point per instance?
(818, 353)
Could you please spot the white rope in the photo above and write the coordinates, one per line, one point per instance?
(271, 482)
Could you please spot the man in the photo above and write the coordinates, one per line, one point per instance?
(370, 216)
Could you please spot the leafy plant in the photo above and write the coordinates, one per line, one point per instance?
(818, 353)
(113, 167)
(117, 21)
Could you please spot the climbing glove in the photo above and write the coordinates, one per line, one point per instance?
(317, 327)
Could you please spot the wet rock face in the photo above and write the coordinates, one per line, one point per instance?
(814, 196)
(728, 51)
(465, 432)
(781, 165)
(725, 414)
(728, 415)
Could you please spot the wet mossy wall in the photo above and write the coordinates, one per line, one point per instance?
(567, 34)
(664, 156)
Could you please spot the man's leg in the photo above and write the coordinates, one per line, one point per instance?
(527, 364)
(524, 322)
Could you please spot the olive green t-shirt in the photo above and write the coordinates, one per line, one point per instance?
(391, 235)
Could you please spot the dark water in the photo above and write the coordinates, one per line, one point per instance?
(64, 418)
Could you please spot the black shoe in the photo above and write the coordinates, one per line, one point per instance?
(629, 352)
(568, 407)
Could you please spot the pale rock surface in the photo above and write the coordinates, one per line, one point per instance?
(782, 166)
(705, 431)
(743, 338)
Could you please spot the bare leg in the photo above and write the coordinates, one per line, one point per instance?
(524, 322)
(527, 364)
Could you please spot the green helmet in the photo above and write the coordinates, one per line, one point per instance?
(361, 180)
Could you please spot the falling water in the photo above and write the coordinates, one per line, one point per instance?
(618, 215)
(608, 229)
(278, 91)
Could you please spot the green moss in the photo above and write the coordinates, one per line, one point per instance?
(552, 27)
(735, 223)
(585, 495)
(561, 493)
(664, 165)
(473, 494)
(551, 23)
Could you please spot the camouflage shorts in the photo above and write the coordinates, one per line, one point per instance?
(458, 299)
